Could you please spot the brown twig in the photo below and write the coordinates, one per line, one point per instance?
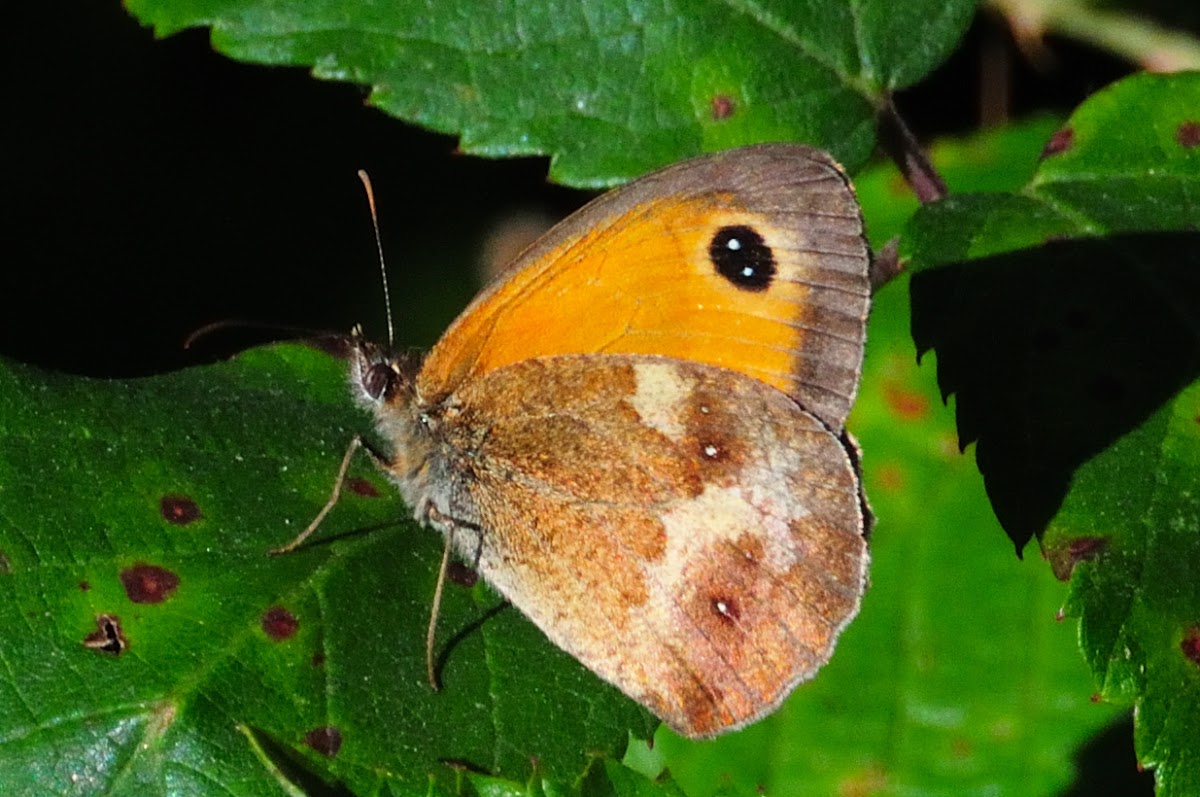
(902, 147)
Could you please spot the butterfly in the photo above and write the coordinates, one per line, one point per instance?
(636, 434)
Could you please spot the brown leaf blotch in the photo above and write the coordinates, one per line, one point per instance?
(1063, 559)
(1060, 142)
(85, 586)
(326, 741)
(318, 659)
(908, 405)
(360, 486)
(1084, 548)
(108, 636)
(723, 107)
(890, 477)
(461, 575)
(179, 510)
(145, 583)
(867, 783)
(1188, 134)
(1190, 645)
(279, 624)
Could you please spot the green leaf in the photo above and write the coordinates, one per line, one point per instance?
(1128, 538)
(1066, 321)
(1128, 160)
(1076, 316)
(921, 696)
(956, 677)
(153, 646)
(609, 90)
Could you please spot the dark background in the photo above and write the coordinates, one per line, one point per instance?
(151, 187)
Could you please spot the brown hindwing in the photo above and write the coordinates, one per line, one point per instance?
(687, 532)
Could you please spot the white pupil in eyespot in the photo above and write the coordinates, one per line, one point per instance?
(733, 245)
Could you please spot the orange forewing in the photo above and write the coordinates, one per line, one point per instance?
(631, 273)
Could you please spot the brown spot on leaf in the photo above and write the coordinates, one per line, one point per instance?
(1082, 548)
(723, 107)
(1064, 558)
(318, 659)
(108, 636)
(179, 509)
(326, 741)
(908, 405)
(145, 583)
(279, 624)
(869, 782)
(1061, 141)
(85, 586)
(1190, 645)
(461, 575)
(890, 477)
(360, 486)
(1188, 134)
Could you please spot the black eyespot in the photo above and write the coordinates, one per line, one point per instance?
(743, 257)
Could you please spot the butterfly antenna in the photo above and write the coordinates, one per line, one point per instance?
(387, 299)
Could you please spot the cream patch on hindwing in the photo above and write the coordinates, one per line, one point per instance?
(760, 504)
(661, 393)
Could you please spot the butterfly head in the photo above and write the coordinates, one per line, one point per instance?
(379, 376)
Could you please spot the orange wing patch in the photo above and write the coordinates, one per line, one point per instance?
(761, 269)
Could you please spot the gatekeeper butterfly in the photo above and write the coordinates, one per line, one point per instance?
(635, 432)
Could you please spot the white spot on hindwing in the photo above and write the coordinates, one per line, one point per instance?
(661, 394)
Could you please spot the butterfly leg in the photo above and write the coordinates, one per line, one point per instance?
(355, 444)
(449, 525)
